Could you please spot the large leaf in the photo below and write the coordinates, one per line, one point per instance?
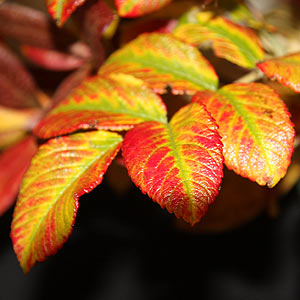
(116, 103)
(231, 41)
(161, 60)
(13, 163)
(256, 130)
(179, 165)
(61, 10)
(285, 69)
(136, 8)
(62, 170)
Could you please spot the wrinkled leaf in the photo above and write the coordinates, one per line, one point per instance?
(136, 8)
(179, 165)
(161, 60)
(13, 163)
(61, 10)
(231, 41)
(285, 69)
(256, 130)
(116, 103)
(62, 170)
(51, 59)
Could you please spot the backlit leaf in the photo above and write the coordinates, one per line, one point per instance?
(161, 60)
(51, 59)
(61, 10)
(63, 169)
(179, 165)
(285, 69)
(256, 130)
(116, 103)
(231, 41)
(13, 163)
(136, 8)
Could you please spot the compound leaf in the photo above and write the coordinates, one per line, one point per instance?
(179, 165)
(117, 102)
(256, 130)
(136, 8)
(285, 69)
(231, 41)
(62, 170)
(160, 60)
(61, 10)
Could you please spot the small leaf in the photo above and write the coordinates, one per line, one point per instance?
(179, 165)
(51, 59)
(62, 170)
(161, 60)
(256, 130)
(61, 10)
(231, 41)
(13, 163)
(136, 8)
(285, 69)
(116, 103)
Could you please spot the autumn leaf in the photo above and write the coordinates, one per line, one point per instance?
(13, 163)
(61, 10)
(51, 59)
(236, 43)
(117, 102)
(136, 8)
(285, 69)
(256, 130)
(179, 165)
(160, 60)
(47, 205)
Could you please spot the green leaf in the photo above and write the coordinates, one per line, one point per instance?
(160, 60)
(62, 170)
(179, 165)
(256, 130)
(236, 43)
(116, 102)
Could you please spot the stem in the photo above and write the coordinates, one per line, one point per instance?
(252, 76)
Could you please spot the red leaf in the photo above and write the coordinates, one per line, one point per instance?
(179, 165)
(51, 59)
(13, 164)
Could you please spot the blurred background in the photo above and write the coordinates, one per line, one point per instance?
(126, 247)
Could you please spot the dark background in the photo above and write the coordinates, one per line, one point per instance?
(127, 248)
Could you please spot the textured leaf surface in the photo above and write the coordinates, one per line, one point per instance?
(179, 165)
(51, 59)
(13, 163)
(231, 41)
(161, 60)
(136, 8)
(285, 69)
(256, 130)
(62, 170)
(61, 10)
(115, 103)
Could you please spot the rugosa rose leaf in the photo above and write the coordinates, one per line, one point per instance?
(256, 130)
(117, 102)
(136, 8)
(61, 10)
(62, 170)
(13, 163)
(285, 69)
(160, 60)
(51, 59)
(179, 165)
(231, 41)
